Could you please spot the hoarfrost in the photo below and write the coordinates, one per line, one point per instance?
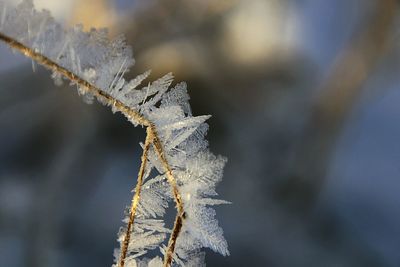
(103, 63)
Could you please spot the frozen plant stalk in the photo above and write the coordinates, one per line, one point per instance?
(175, 145)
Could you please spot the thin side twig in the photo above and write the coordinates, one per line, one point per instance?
(180, 216)
(135, 199)
(173, 238)
(171, 179)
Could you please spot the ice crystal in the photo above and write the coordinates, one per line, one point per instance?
(103, 63)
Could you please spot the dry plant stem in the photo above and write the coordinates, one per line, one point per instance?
(180, 216)
(152, 138)
(173, 238)
(135, 199)
(171, 179)
(102, 96)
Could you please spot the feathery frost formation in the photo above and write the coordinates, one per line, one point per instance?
(103, 63)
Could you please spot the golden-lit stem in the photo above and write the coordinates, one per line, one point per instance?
(135, 199)
(102, 96)
(177, 197)
(169, 253)
(171, 179)
(152, 138)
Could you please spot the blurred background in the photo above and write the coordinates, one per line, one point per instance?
(304, 96)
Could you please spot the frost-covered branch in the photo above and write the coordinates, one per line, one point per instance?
(136, 197)
(175, 146)
(75, 79)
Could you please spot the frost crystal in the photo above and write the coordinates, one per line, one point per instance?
(103, 63)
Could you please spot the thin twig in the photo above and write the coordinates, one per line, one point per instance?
(152, 138)
(180, 216)
(135, 199)
(51, 65)
(173, 238)
(171, 179)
